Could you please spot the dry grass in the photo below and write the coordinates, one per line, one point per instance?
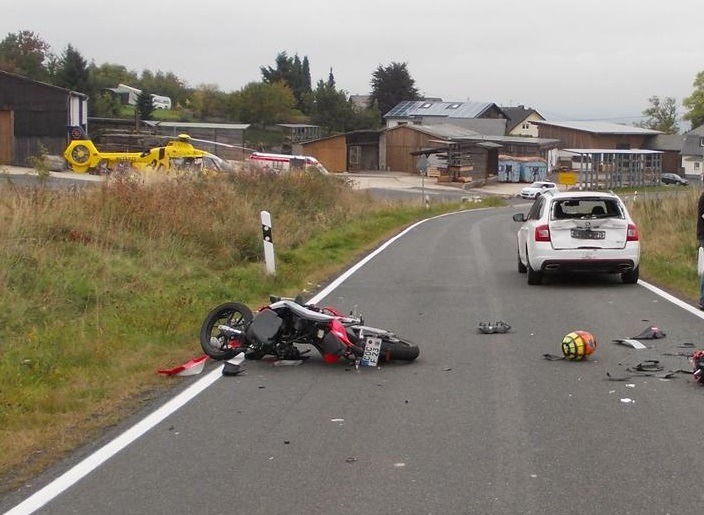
(667, 225)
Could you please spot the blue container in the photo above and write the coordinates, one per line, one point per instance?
(509, 170)
(534, 170)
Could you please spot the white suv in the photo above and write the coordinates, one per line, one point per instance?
(584, 231)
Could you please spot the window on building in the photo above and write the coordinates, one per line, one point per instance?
(453, 106)
(425, 105)
(526, 126)
(701, 142)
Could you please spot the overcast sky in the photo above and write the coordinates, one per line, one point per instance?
(597, 59)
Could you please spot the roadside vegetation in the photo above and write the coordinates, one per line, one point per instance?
(102, 286)
(667, 224)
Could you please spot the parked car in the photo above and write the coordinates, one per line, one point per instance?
(536, 188)
(673, 178)
(578, 231)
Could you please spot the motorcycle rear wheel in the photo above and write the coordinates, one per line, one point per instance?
(398, 349)
(218, 345)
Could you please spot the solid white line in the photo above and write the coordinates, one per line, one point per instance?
(85, 467)
(674, 300)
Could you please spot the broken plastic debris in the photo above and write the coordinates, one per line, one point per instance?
(190, 368)
(337, 420)
(627, 401)
(237, 360)
(650, 333)
(231, 369)
(494, 327)
(649, 365)
(630, 342)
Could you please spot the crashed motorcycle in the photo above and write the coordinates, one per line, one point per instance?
(277, 329)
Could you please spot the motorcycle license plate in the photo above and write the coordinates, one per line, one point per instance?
(372, 349)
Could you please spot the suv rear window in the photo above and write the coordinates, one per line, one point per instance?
(586, 207)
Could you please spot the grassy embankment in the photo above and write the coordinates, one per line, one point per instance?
(102, 286)
(667, 225)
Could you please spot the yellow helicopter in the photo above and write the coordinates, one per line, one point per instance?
(178, 154)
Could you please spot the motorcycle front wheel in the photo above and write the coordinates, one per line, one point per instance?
(398, 349)
(214, 342)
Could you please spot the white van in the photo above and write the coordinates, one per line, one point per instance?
(161, 102)
(285, 162)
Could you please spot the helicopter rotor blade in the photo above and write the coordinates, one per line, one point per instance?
(212, 142)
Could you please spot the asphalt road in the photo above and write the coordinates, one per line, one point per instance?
(478, 424)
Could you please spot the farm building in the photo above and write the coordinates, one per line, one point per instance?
(482, 117)
(593, 134)
(350, 152)
(299, 132)
(520, 121)
(35, 116)
(693, 151)
(402, 143)
(468, 155)
(606, 136)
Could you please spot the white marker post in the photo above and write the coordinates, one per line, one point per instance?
(268, 243)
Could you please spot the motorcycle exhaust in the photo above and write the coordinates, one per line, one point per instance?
(230, 331)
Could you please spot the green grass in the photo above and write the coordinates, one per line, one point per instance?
(100, 287)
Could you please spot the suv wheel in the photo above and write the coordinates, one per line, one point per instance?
(534, 277)
(630, 277)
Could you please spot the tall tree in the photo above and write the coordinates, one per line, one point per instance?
(145, 105)
(165, 84)
(392, 84)
(109, 75)
(331, 108)
(25, 53)
(695, 102)
(207, 101)
(294, 73)
(661, 115)
(72, 72)
(264, 104)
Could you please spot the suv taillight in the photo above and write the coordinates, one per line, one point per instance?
(542, 233)
(632, 233)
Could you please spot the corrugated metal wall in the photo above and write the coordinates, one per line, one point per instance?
(40, 113)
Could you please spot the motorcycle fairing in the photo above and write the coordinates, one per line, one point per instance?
(265, 327)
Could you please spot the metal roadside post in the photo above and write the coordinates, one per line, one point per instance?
(268, 243)
(422, 167)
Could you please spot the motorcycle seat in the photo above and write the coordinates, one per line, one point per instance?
(302, 311)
